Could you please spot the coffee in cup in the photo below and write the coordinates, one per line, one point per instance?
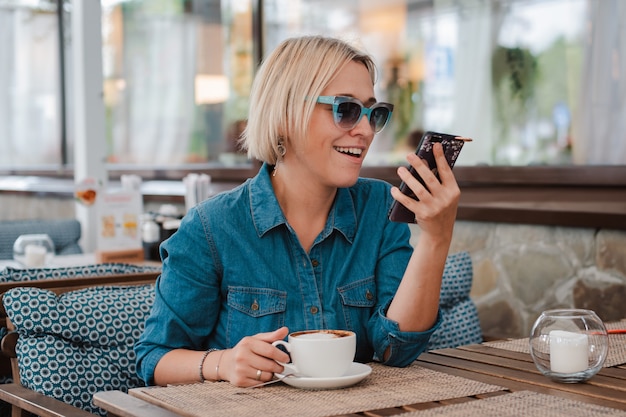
(320, 353)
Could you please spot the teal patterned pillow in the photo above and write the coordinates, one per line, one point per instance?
(457, 279)
(460, 324)
(11, 274)
(75, 344)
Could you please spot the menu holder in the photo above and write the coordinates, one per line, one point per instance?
(119, 236)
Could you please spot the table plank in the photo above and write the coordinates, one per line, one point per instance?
(515, 385)
(118, 403)
(614, 371)
(613, 379)
(519, 371)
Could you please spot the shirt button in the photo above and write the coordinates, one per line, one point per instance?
(369, 295)
(314, 310)
(254, 306)
(314, 262)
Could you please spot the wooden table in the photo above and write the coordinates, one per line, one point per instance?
(513, 372)
(516, 371)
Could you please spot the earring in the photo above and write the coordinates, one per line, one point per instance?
(281, 152)
(281, 149)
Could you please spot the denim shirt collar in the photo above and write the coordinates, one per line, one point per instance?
(267, 214)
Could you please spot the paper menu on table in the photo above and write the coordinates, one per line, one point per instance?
(119, 220)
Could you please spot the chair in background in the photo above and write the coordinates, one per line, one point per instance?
(68, 346)
(461, 325)
(65, 234)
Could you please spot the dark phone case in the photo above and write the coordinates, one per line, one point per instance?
(452, 146)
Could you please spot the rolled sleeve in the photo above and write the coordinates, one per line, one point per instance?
(404, 347)
(148, 362)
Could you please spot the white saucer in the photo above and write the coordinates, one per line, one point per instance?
(356, 373)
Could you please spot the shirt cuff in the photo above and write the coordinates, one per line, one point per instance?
(148, 364)
(404, 347)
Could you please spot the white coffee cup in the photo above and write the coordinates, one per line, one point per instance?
(320, 353)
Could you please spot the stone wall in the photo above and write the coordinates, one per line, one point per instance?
(521, 270)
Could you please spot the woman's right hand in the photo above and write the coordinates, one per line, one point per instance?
(241, 364)
(436, 205)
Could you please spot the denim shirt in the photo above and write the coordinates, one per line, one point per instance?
(236, 268)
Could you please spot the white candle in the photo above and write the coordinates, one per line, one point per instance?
(34, 256)
(569, 352)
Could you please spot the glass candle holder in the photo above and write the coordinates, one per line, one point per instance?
(569, 345)
(33, 251)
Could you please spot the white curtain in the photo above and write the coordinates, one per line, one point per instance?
(599, 127)
(29, 96)
(473, 101)
(160, 73)
(6, 48)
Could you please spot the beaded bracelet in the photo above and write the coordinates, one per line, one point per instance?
(201, 366)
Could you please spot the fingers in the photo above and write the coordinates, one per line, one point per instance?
(445, 172)
(434, 199)
(254, 359)
(270, 337)
(421, 190)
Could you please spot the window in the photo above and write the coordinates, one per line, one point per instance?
(529, 88)
(503, 72)
(177, 75)
(30, 94)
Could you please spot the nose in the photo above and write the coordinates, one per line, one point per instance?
(364, 125)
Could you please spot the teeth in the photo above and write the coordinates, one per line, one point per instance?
(351, 151)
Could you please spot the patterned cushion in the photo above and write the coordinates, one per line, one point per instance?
(460, 317)
(75, 344)
(10, 274)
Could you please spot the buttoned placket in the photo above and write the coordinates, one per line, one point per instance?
(309, 290)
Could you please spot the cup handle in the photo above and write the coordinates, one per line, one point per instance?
(290, 368)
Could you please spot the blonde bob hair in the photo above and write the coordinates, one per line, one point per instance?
(298, 68)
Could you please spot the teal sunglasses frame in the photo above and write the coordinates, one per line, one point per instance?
(370, 112)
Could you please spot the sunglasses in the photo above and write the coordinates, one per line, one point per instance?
(347, 112)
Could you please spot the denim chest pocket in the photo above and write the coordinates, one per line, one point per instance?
(360, 293)
(358, 298)
(257, 302)
(253, 310)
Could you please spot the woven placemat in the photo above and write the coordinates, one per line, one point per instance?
(385, 387)
(615, 356)
(520, 403)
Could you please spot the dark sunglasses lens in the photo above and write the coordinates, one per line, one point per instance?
(348, 115)
(378, 118)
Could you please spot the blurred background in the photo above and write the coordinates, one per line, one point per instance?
(532, 81)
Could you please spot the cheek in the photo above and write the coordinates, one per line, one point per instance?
(318, 120)
(321, 129)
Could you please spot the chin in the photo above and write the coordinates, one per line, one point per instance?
(345, 180)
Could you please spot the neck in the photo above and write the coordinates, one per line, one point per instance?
(305, 204)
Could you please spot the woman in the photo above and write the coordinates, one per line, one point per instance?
(306, 243)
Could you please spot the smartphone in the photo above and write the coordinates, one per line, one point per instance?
(452, 146)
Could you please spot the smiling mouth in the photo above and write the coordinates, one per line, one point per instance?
(354, 152)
